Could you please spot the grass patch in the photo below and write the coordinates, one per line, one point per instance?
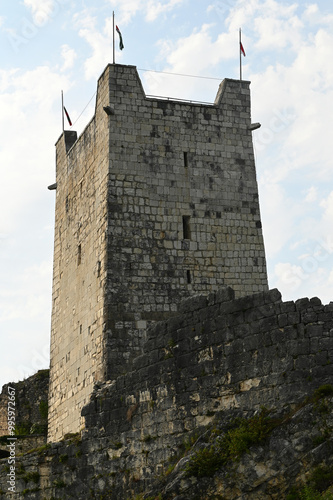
(73, 437)
(59, 483)
(27, 491)
(33, 477)
(231, 445)
(43, 409)
(40, 450)
(42, 374)
(308, 493)
(22, 429)
(321, 478)
(323, 391)
(116, 445)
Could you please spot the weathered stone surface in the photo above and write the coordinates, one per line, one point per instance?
(196, 372)
(30, 404)
(154, 203)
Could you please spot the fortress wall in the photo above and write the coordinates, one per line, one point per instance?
(220, 357)
(219, 353)
(30, 409)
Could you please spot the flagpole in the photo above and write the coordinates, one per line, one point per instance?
(113, 37)
(62, 111)
(240, 54)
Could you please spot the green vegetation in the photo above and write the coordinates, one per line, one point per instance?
(22, 429)
(142, 497)
(168, 355)
(63, 459)
(231, 445)
(42, 374)
(149, 438)
(59, 483)
(39, 429)
(43, 409)
(321, 478)
(323, 391)
(116, 445)
(4, 439)
(308, 493)
(40, 450)
(26, 491)
(31, 477)
(73, 437)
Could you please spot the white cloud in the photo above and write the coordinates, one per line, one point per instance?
(327, 205)
(155, 9)
(295, 281)
(188, 56)
(41, 10)
(27, 103)
(101, 44)
(69, 55)
(277, 28)
(314, 16)
(29, 298)
(151, 9)
(311, 195)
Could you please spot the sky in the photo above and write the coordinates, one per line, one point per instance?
(49, 46)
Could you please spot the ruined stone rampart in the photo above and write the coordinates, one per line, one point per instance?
(30, 397)
(219, 353)
(217, 356)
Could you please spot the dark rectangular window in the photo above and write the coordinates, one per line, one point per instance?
(188, 277)
(79, 251)
(186, 227)
(185, 159)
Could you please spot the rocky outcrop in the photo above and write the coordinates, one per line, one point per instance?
(294, 455)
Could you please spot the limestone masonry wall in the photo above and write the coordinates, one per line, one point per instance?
(219, 353)
(156, 201)
(183, 206)
(217, 357)
(31, 401)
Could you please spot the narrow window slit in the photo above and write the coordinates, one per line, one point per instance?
(186, 227)
(79, 255)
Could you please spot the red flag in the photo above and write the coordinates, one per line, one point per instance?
(121, 44)
(242, 49)
(67, 116)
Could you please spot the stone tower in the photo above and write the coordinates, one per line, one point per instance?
(155, 201)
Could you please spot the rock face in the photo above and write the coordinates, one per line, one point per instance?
(219, 360)
(31, 403)
(297, 451)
